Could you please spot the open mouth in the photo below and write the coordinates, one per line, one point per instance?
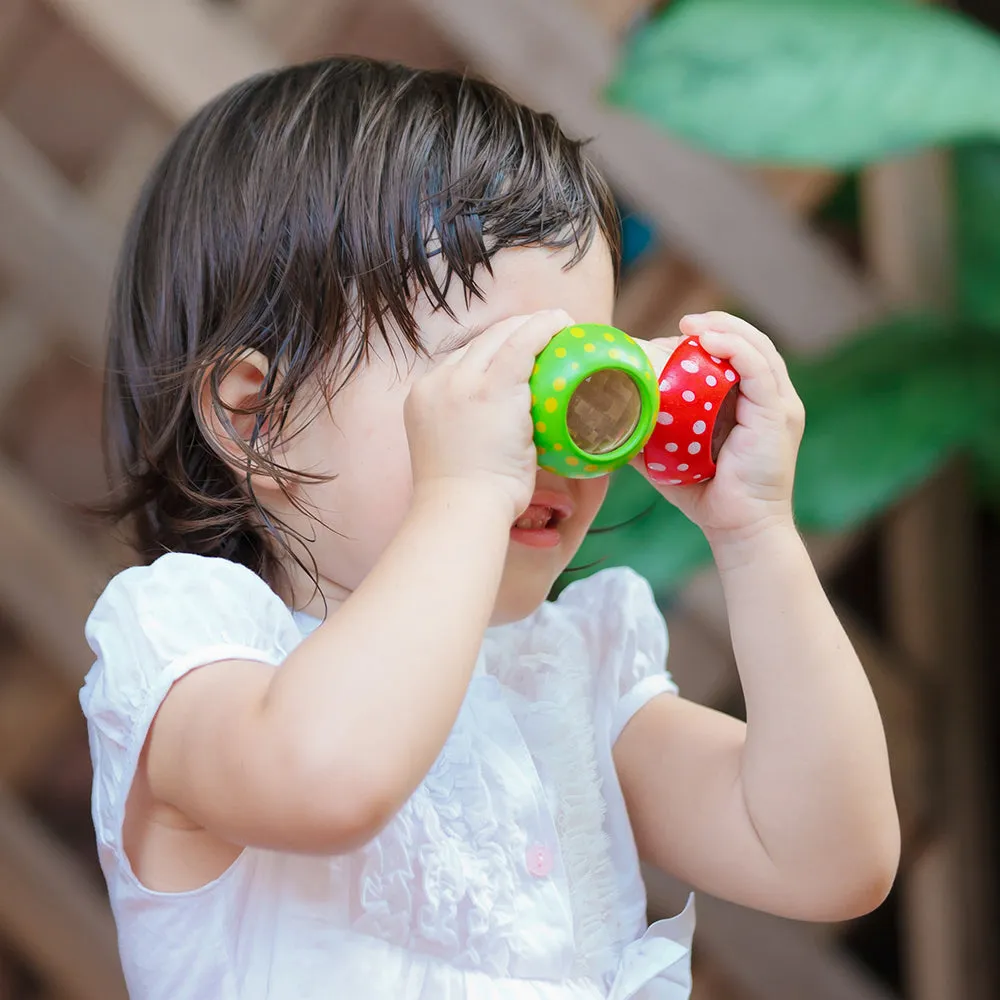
(537, 518)
(546, 512)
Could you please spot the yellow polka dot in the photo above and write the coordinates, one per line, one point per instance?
(540, 427)
(541, 451)
(559, 384)
(578, 331)
(557, 446)
(576, 366)
(647, 374)
(572, 460)
(534, 400)
(560, 352)
(610, 338)
(614, 354)
(534, 371)
(550, 405)
(588, 348)
(590, 468)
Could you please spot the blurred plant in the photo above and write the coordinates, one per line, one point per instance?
(840, 83)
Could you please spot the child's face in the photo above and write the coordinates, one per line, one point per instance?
(361, 438)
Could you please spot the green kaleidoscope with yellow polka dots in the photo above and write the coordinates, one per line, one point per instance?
(575, 354)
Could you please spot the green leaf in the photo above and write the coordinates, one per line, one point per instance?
(885, 411)
(835, 82)
(977, 217)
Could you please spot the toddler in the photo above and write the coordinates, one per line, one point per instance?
(343, 747)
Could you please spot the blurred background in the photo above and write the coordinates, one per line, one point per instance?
(829, 169)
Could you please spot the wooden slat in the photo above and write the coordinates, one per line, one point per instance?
(46, 571)
(801, 191)
(700, 660)
(949, 906)
(664, 287)
(180, 53)
(35, 707)
(906, 222)
(52, 245)
(114, 184)
(298, 31)
(22, 24)
(67, 100)
(798, 286)
(949, 915)
(23, 346)
(53, 913)
(183, 52)
(615, 15)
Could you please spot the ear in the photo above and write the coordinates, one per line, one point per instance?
(226, 421)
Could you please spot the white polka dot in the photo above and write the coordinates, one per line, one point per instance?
(711, 380)
(693, 448)
(664, 385)
(665, 418)
(718, 361)
(693, 343)
(675, 482)
(656, 467)
(688, 396)
(671, 446)
(708, 406)
(699, 426)
(698, 475)
(730, 375)
(690, 366)
(683, 467)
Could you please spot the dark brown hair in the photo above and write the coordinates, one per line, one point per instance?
(299, 214)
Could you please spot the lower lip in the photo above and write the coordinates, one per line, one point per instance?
(536, 538)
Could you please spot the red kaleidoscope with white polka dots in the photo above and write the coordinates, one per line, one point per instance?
(698, 393)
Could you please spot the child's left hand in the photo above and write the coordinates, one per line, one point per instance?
(755, 472)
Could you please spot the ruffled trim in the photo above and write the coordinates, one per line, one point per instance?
(439, 879)
(556, 716)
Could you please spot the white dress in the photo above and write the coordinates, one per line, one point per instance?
(510, 873)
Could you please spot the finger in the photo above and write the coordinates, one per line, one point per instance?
(481, 349)
(514, 360)
(724, 322)
(757, 380)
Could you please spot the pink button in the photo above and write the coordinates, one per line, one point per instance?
(539, 860)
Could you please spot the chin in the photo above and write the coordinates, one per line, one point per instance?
(528, 578)
(520, 594)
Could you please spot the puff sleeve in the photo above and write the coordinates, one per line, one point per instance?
(627, 637)
(151, 626)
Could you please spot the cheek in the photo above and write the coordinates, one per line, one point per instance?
(592, 494)
(588, 495)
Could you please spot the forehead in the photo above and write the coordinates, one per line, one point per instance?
(527, 280)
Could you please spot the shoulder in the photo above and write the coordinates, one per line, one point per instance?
(625, 631)
(618, 586)
(154, 623)
(176, 574)
(614, 604)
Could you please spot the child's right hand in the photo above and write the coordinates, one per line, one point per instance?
(469, 418)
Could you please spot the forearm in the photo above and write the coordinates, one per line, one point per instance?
(814, 770)
(377, 687)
